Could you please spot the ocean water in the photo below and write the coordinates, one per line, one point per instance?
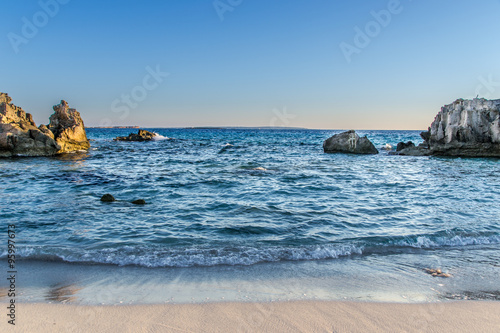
(256, 205)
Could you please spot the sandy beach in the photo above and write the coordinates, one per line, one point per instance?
(307, 316)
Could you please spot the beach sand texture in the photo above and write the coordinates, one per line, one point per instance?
(303, 316)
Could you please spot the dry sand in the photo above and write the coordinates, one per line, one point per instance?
(303, 316)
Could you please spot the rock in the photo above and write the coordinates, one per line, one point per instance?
(68, 129)
(142, 135)
(426, 136)
(410, 149)
(139, 202)
(466, 128)
(444, 275)
(19, 135)
(46, 131)
(437, 272)
(349, 142)
(108, 198)
(403, 145)
(420, 150)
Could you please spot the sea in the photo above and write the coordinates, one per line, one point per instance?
(235, 214)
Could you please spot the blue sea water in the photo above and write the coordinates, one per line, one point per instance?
(253, 198)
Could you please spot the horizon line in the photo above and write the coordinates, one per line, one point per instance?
(245, 127)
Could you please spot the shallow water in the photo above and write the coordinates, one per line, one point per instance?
(254, 198)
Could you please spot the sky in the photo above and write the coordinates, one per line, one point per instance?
(319, 64)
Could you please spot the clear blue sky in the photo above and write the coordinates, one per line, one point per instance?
(266, 62)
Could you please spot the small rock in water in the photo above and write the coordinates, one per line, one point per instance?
(445, 275)
(139, 202)
(406, 145)
(108, 198)
(437, 272)
(141, 136)
(349, 142)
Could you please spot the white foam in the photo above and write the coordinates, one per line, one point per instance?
(159, 137)
(188, 257)
(147, 256)
(434, 242)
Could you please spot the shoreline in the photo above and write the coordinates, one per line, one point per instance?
(400, 280)
(290, 316)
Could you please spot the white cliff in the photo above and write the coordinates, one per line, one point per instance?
(469, 128)
(467, 121)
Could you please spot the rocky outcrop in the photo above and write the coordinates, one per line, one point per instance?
(19, 135)
(349, 142)
(142, 135)
(68, 129)
(467, 128)
(403, 145)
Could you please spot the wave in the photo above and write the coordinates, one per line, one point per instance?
(186, 257)
(435, 241)
(156, 256)
(159, 137)
(225, 147)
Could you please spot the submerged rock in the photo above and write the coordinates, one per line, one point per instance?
(139, 202)
(108, 198)
(467, 128)
(349, 142)
(437, 272)
(19, 135)
(142, 135)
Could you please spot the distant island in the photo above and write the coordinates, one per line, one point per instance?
(115, 127)
(246, 128)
